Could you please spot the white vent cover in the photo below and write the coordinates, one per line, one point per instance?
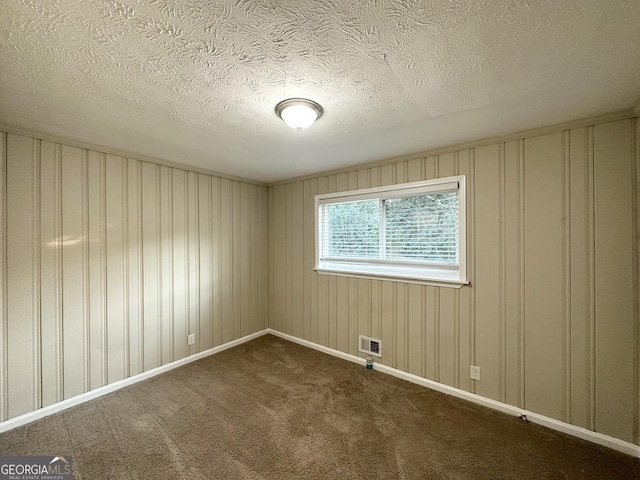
(369, 345)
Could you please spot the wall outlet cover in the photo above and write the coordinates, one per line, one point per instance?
(191, 339)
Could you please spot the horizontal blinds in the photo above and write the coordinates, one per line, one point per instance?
(418, 228)
(351, 229)
(422, 227)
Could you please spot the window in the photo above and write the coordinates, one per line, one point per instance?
(413, 232)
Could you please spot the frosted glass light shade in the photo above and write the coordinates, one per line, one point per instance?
(298, 113)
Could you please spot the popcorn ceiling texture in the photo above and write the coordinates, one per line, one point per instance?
(196, 81)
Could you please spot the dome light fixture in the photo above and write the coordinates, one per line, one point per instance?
(298, 113)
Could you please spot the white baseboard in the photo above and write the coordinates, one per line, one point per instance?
(579, 432)
(112, 387)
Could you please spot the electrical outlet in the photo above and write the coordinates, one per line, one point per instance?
(191, 339)
(474, 372)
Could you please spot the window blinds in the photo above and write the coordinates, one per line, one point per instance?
(415, 229)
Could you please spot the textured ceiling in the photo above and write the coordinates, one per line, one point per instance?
(196, 81)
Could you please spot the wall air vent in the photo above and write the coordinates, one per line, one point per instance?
(372, 346)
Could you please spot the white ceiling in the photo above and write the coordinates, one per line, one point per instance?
(196, 81)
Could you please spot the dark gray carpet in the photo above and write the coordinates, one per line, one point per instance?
(274, 409)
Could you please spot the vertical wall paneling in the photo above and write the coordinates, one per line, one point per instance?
(257, 241)
(116, 295)
(332, 309)
(50, 273)
(387, 326)
(363, 306)
(133, 261)
(332, 324)
(400, 334)
(466, 296)
(140, 256)
(165, 231)
(107, 263)
(20, 365)
(401, 330)
(579, 293)
(550, 310)
(512, 268)
(502, 272)
(254, 268)
(566, 269)
(488, 341)
(193, 257)
(158, 268)
(447, 316)
(352, 308)
(258, 310)
(4, 299)
(614, 278)
(376, 307)
(226, 253)
(150, 260)
(426, 310)
(245, 257)
(58, 284)
(279, 265)
(204, 337)
(265, 245)
(262, 261)
(180, 263)
(591, 299)
(236, 326)
(544, 269)
(96, 297)
(313, 280)
(114, 261)
(297, 252)
(427, 330)
(376, 285)
(308, 240)
(388, 321)
(248, 209)
(342, 314)
(133, 333)
(272, 245)
(363, 285)
(216, 282)
(73, 295)
(86, 285)
(288, 260)
(521, 226)
(416, 330)
(322, 328)
(37, 278)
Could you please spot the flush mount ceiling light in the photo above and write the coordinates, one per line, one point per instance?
(298, 113)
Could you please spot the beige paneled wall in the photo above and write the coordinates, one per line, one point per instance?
(108, 263)
(551, 312)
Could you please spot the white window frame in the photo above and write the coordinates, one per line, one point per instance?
(398, 271)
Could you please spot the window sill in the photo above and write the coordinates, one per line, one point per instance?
(432, 280)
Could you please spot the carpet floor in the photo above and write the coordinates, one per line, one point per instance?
(271, 409)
